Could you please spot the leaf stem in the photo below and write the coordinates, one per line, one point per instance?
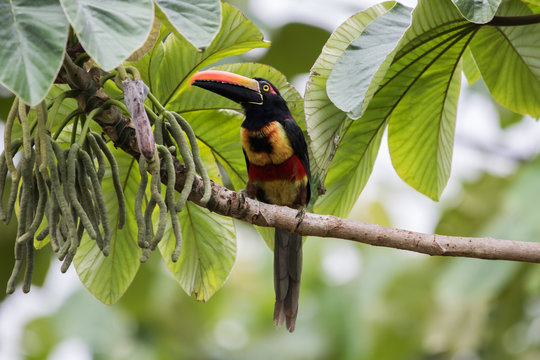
(515, 20)
(65, 122)
(86, 125)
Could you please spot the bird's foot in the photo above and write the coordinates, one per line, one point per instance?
(242, 194)
(300, 217)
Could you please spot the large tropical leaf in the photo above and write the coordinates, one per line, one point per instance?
(110, 30)
(477, 11)
(328, 126)
(424, 83)
(368, 55)
(418, 96)
(508, 59)
(197, 20)
(108, 277)
(325, 122)
(34, 35)
(208, 251)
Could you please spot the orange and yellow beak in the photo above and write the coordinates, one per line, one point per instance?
(235, 87)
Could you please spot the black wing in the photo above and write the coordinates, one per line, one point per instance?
(296, 136)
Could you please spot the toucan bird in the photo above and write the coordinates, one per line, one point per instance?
(278, 170)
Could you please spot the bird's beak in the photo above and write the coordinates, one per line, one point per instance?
(238, 88)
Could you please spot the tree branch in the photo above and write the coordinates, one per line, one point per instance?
(229, 203)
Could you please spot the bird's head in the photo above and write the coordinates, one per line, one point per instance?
(258, 96)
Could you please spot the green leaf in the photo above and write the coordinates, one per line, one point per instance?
(148, 65)
(299, 41)
(208, 252)
(67, 106)
(110, 30)
(348, 169)
(108, 277)
(365, 61)
(174, 61)
(477, 11)
(197, 20)
(421, 146)
(34, 34)
(507, 117)
(469, 67)
(534, 5)
(514, 49)
(419, 96)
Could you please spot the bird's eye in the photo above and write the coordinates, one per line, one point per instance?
(266, 87)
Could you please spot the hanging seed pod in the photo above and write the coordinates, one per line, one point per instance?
(86, 201)
(155, 188)
(43, 234)
(116, 179)
(196, 157)
(96, 150)
(26, 134)
(72, 192)
(57, 191)
(41, 138)
(183, 147)
(170, 201)
(53, 217)
(27, 283)
(40, 209)
(10, 289)
(148, 228)
(3, 176)
(158, 130)
(25, 217)
(13, 191)
(91, 171)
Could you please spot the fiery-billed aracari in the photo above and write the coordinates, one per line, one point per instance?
(278, 170)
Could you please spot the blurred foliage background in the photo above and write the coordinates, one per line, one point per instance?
(357, 301)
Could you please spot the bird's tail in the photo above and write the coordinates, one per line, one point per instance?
(287, 272)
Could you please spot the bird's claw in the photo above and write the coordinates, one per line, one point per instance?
(241, 198)
(300, 216)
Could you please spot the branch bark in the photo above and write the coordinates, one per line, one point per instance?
(229, 203)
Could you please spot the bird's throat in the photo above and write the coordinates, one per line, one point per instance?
(268, 145)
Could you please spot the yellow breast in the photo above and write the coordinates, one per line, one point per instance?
(282, 192)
